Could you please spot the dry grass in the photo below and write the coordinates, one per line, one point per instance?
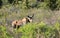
(10, 13)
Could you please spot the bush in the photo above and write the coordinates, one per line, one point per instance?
(40, 30)
(4, 33)
(50, 4)
(33, 30)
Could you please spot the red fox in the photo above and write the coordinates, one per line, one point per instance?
(18, 23)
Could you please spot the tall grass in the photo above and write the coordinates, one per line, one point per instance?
(33, 30)
(38, 29)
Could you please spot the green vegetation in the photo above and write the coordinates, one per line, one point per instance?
(4, 33)
(52, 4)
(47, 11)
(33, 30)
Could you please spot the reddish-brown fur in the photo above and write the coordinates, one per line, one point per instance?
(18, 23)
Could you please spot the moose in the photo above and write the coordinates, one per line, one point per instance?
(18, 23)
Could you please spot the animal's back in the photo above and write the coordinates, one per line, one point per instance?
(19, 22)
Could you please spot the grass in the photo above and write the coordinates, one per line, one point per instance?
(33, 30)
(48, 28)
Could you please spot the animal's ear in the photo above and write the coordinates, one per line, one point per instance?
(33, 15)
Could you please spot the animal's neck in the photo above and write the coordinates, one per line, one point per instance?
(27, 20)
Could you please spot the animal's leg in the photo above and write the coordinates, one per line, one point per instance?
(18, 26)
(14, 26)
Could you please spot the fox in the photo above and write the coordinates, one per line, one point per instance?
(18, 23)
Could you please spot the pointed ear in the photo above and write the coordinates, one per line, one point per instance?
(33, 15)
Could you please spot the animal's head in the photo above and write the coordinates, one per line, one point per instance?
(30, 18)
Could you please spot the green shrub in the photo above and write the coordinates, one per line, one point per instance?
(33, 30)
(37, 30)
(4, 33)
